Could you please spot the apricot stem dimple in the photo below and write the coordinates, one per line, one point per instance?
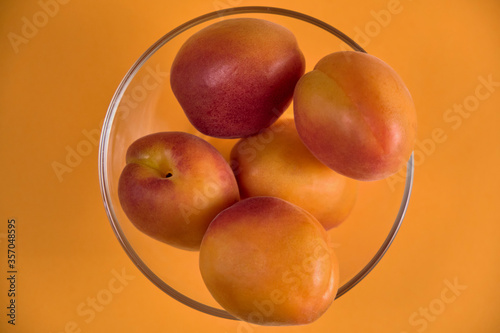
(168, 175)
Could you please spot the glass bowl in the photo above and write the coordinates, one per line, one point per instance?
(144, 104)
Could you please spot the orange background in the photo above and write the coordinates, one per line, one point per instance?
(56, 85)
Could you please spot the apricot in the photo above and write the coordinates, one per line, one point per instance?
(268, 262)
(236, 77)
(276, 163)
(173, 185)
(356, 115)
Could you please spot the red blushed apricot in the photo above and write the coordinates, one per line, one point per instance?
(236, 77)
(173, 185)
(355, 114)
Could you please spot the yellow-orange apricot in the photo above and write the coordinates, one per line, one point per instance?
(276, 163)
(269, 262)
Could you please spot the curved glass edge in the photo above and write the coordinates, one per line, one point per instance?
(104, 145)
(392, 233)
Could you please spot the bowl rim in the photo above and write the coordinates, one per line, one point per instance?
(106, 131)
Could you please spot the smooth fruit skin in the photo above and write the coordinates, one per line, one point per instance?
(236, 77)
(173, 185)
(355, 114)
(268, 262)
(277, 163)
